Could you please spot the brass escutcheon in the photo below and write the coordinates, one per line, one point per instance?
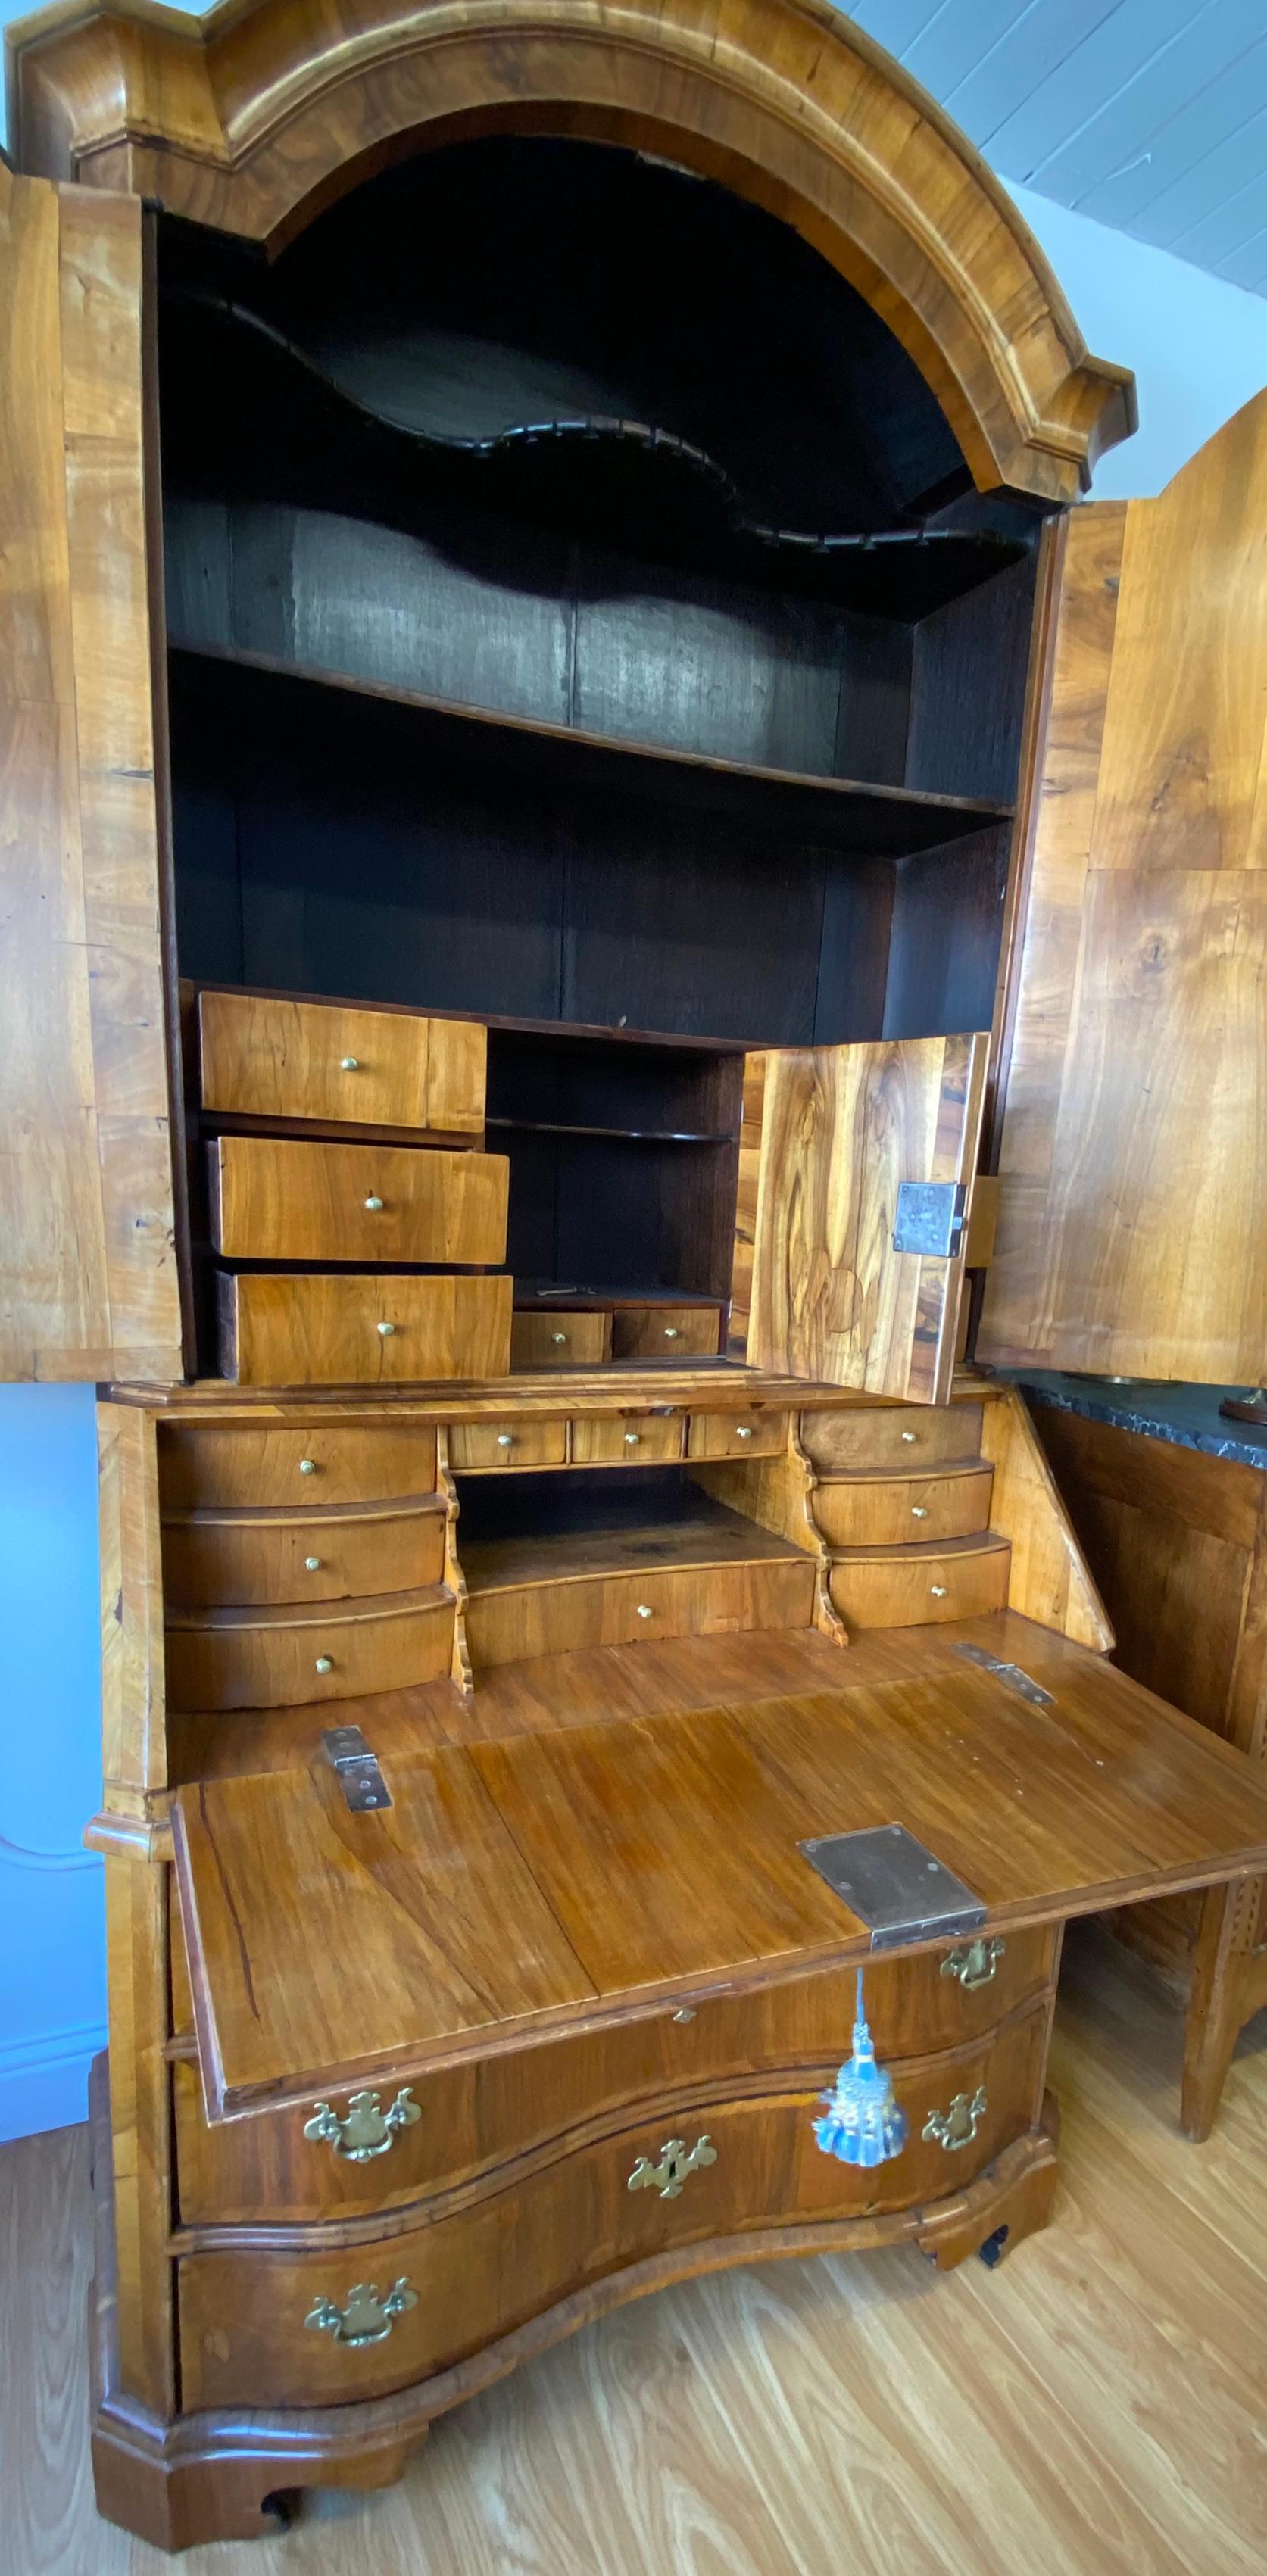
(668, 2176)
(366, 2129)
(974, 1962)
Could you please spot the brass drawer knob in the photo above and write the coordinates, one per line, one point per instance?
(974, 1962)
(670, 1332)
(645, 1610)
(312, 1564)
(919, 1511)
(669, 2173)
(743, 1431)
(938, 1591)
(386, 1330)
(365, 2128)
(374, 1204)
(958, 2126)
(367, 2318)
(324, 1664)
(505, 1439)
(558, 1337)
(632, 1439)
(908, 1435)
(307, 1466)
(348, 1064)
(685, 2012)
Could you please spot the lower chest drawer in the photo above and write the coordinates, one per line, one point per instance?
(618, 1609)
(402, 2142)
(361, 1328)
(908, 1587)
(283, 1657)
(324, 2326)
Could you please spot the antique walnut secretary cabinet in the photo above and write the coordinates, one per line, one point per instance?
(527, 606)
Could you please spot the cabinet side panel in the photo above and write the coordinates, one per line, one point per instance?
(88, 1283)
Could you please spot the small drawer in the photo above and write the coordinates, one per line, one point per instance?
(571, 1340)
(269, 1058)
(474, 2117)
(892, 1511)
(891, 1435)
(737, 1435)
(508, 1444)
(628, 1440)
(213, 1560)
(909, 1587)
(618, 1609)
(275, 1199)
(318, 1463)
(283, 1657)
(361, 1328)
(665, 1332)
(263, 2328)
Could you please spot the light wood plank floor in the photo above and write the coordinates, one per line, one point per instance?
(1096, 2407)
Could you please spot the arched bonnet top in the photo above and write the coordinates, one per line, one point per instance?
(259, 114)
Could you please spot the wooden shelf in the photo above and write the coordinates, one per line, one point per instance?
(619, 1135)
(788, 805)
(593, 1538)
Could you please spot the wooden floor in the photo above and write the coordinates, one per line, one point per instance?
(1097, 2407)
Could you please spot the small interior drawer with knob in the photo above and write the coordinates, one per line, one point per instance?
(665, 1332)
(628, 1440)
(898, 1436)
(737, 1435)
(261, 1056)
(909, 1587)
(573, 1339)
(890, 1511)
(220, 1558)
(361, 1328)
(276, 1198)
(522, 1443)
(218, 1469)
(282, 1656)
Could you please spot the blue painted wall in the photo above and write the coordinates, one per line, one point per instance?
(1199, 348)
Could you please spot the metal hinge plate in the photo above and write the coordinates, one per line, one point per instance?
(895, 1885)
(930, 1217)
(356, 1768)
(1014, 1675)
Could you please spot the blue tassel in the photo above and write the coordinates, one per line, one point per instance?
(863, 2123)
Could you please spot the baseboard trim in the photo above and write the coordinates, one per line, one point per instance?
(44, 2079)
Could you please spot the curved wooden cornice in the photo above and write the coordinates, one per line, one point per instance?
(259, 114)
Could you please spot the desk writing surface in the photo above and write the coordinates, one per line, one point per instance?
(525, 1886)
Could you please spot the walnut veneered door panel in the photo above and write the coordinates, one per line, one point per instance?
(276, 1198)
(318, 1463)
(867, 1158)
(265, 2329)
(282, 1656)
(901, 1436)
(664, 1332)
(266, 1057)
(911, 1587)
(219, 1559)
(572, 1340)
(357, 1328)
(472, 2117)
(893, 1511)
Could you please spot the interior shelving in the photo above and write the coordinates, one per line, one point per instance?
(581, 1522)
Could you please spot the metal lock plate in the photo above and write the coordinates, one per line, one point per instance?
(930, 1217)
(356, 1767)
(895, 1885)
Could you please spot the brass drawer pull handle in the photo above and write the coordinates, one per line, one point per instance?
(312, 1564)
(958, 2126)
(632, 1439)
(938, 1591)
(743, 1431)
(307, 1466)
(385, 1329)
(919, 1511)
(324, 1664)
(367, 2318)
(974, 1962)
(348, 1064)
(365, 2129)
(374, 1204)
(669, 2174)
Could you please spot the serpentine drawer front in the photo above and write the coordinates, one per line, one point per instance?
(214, 1559)
(473, 2117)
(270, 1058)
(897, 1436)
(319, 1462)
(282, 1655)
(893, 1511)
(272, 2328)
(907, 1587)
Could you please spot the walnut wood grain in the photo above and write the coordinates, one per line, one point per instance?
(541, 1617)
(322, 1329)
(843, 1128)
(559, 1341)
(885, 1587)
(322, 1463)
(214, 1559)
(268, 1654)
(87, 1214)
(510, 1442)
(277, 1199)
(481, 2273)
(627, 1440)
(737, 1435)
(809, 118)
(869, 1439)
(1050, 1579)
(264, 1056)
(664, 1332)
(891, 1511)
(264, 2171)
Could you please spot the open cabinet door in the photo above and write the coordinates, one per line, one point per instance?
(88, 1279)
(866, 1165)
(1132, 1210)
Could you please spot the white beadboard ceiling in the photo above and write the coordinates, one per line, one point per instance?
(1150, 115)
